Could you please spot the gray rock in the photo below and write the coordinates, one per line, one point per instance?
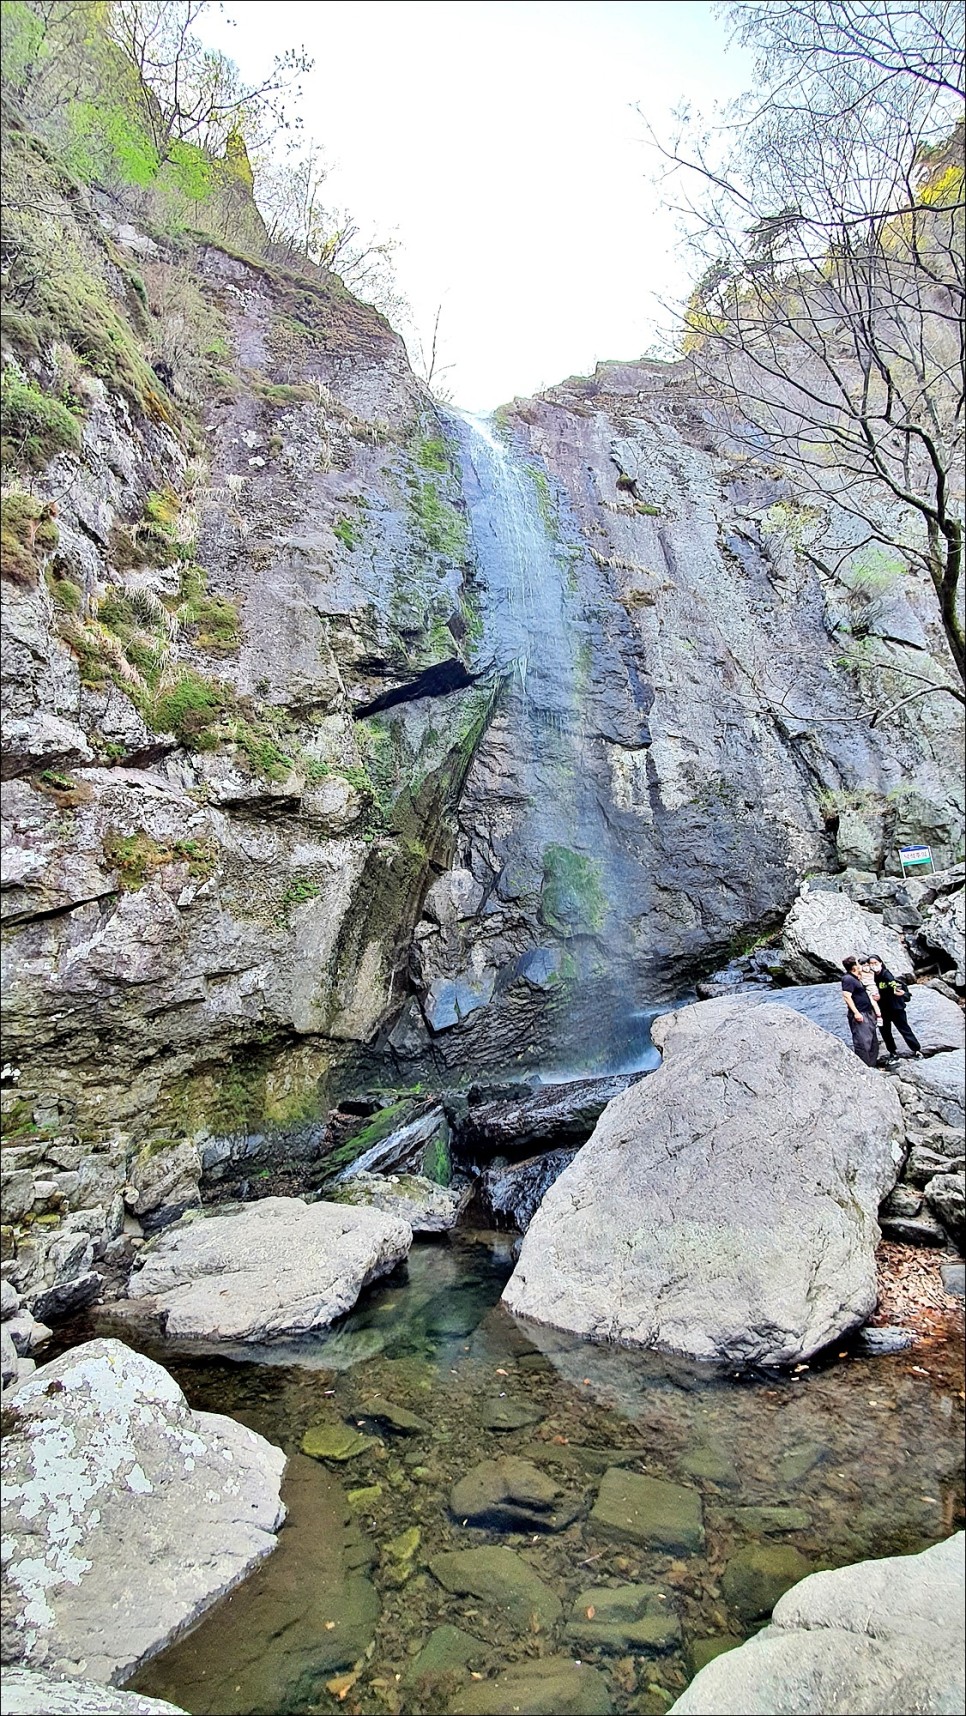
(617, 1619)
(937, 1021)
(561, 1114)
(902, 1201)
(550, 1686)
(9, 1300)
(649, 1511)
(510, 1494)
(732, 1196)
(938, 1085)
(278, 1267)
(822, 928)
(502, 1579)
(513, 1194)
(30, 1692)
(127, 1513)
(16, 1193)
(427, 1207)
(62, 1300)
(923, 1165)
(913, 1230)
(877, 1639)
(943, 929)
(946, 1197)
(889, 1339)
(954, 1279)
(165, 1179)
(8, 1358)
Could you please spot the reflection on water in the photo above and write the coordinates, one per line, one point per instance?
(861, 1457)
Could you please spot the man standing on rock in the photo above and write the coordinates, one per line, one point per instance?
(863, 1012)
(893, 997)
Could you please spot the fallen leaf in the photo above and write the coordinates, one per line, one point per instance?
(500, 1372)
(591, 1612)
(342, 1685)
(330, 1626)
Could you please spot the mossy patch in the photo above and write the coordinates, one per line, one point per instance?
(35, 425)
(28, 535)
(136, 857)
(572, 899)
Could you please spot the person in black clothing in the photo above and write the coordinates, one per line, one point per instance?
(893, 997)
(863, 1013)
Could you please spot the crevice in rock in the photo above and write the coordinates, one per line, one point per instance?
(436, 681)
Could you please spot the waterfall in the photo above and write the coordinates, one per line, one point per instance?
(562, 864)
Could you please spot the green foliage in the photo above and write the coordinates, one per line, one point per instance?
(572, 899)
(348, 532)
(28, 535)
(136, 857)
(107, 142)
(35, 426)
(21, 41)
(65, 593)
(282, 393)
(188, 708)
(295, 893)
(214, 620)
(443, 527)
(432, 454)
(260, 743)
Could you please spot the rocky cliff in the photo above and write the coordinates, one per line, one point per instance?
(348, 741)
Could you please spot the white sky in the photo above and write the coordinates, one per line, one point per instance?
(498, 140)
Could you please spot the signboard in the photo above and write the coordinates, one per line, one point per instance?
(910, 857)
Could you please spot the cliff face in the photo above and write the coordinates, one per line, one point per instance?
(333, 748)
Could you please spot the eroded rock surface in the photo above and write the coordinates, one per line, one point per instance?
(880, 1637)
(822, 928)
(126, 1514)
(279, 1267)
(732, 1196)
(27, 1692)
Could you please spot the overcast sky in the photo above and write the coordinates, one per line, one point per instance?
(498, 140)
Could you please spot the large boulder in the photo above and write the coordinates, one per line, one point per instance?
(823, 927)
(937, 1021)
(279, 1267)
(126, 1514)
(943, 930)
(725, 1206)
(882, 1637)
(936, 1087)
(28, 1692)
(427, 1207)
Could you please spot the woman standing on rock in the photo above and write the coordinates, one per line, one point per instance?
(863, 1013)
(893, 997)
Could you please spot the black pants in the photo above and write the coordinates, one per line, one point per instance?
(895, 1015)
(865, 1038)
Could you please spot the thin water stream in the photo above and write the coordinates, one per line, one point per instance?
(854, 1458)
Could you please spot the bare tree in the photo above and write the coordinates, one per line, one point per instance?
(427, 360)
(827, 214)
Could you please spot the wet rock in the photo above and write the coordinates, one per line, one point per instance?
(510, 1494)
(349, 1347)
(757, 1575)
(388, 1416)
(555, 1115)
(770, 1519)
(513, 1193)
(335, 1442)
(703, 1651)
(421, 1147)
(883, 1636)
(502, 1579)
(552, 1686)
(622, 1619)
(709, 1465)
(221, 1276)
(500, 1413)
(946, 1198)
(796, 1462)
(822, 928)
(648, 1511)
(427, 1207)
(731, 1196)
(888, 1339)
(128, 1514)
(29, 1692)
(164, 1182)
(447, 1651)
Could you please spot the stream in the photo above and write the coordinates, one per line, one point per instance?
(850, 1458)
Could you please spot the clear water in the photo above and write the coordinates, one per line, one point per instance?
(868, 1449)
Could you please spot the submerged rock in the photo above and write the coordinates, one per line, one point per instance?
(883, 1636)
(335, 1442)
(732, 1196)
(503, 1414)
(649, 1511)
(28, 1692)
(640, 1619)
(552, 1686)
(510, 1494)
(446, 1652)
(126, 1513)
(758, 1575)
(503, 1579)
(278, 1267)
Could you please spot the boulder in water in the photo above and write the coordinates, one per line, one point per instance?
(726, 1205)
(883, 1636)
(126, 1513)
(279, 1267)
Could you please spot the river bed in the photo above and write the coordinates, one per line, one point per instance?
(853, 1457)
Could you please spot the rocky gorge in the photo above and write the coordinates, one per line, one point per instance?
(430, 846)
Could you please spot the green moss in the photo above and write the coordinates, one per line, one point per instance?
(64, 593)
(35, 425)
(443, 527)
(261, 746)
(572, 899)
(135, 857)
(28, 535)
(187, 709)
(546, 506)
(295, 893)
(282, 393)
(214, 621)
(432, 454)
(348, 532)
